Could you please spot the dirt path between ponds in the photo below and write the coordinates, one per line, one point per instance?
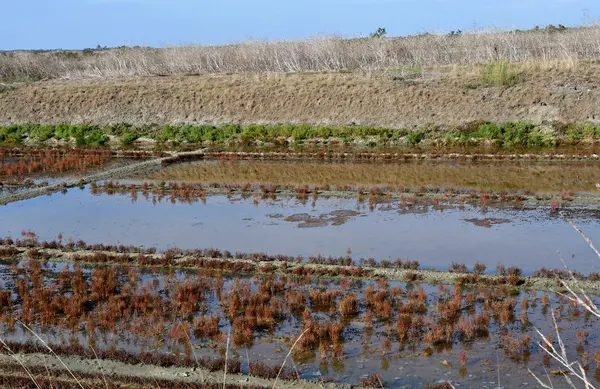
(176, 374)
(320, 270)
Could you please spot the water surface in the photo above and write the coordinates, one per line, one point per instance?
(435, 237)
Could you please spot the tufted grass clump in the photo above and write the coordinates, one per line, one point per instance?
(498, 73)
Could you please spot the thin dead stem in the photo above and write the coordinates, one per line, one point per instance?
(379, 379)
(296, 369)
(317, 54)
(585, 237)
(226, 357)
(189, 340)
(288, 355)
(560, 355)
(51, 351)
(498, 367)
(14, 356)
(100, 367)
(46, 368)
(577, 296)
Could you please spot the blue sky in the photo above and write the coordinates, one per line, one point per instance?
(50, 24)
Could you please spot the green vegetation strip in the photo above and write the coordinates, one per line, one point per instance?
(502, 135)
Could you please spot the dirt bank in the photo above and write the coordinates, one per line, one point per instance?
(441, 96)
(177, 375)
(367, 272)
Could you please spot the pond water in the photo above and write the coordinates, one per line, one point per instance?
(435, 236)
(366, 349)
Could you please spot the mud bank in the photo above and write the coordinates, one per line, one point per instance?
(176, 375)
(315, 270)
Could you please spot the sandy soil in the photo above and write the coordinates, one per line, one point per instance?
(443, 97)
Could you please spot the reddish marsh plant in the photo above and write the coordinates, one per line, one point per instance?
(349, 305)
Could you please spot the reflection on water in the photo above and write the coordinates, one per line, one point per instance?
(434, 235)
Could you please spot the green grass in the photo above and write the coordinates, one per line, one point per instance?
(5, 88)
(128, 138)
(12, 134)
(502, 135)
(498, 73)
(408, 73)
(508, 134)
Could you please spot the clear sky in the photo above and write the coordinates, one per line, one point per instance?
(51, 24)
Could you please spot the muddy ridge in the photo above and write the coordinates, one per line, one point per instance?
(90, 257)
(175, 376)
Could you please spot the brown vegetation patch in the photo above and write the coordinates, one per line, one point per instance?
(53, 161)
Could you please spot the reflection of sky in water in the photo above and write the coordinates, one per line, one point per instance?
(531, 240)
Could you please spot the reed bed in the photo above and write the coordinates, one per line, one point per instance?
(318, 54)
(199, 308)
(36, 153)
(49, 161)
(382, 155)
(560, 177)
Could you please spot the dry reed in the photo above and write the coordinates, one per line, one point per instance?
(317, 54)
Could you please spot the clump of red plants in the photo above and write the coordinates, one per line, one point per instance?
(199, 307)
(54, 161)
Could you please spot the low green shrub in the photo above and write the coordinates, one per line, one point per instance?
(42, 133)
(12, 134)
(415, 137)
(128, 138)
(118, 129)
(508, 134)
(488, 131)
(94, 137)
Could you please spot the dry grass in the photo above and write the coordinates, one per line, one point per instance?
(392, 82)
(324, 54)
(445, 97)
(506, 176)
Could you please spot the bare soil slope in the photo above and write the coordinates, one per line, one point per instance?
(444, 97)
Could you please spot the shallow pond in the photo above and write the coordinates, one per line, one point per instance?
(435, 236)
(367, 345)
